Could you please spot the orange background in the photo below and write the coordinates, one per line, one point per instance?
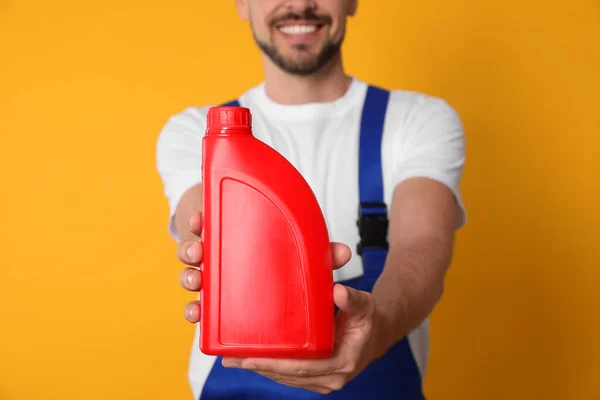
(90, 302)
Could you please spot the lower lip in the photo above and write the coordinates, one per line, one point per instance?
(301, 37)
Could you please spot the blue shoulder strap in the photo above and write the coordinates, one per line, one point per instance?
(372, 214)
(232, 103)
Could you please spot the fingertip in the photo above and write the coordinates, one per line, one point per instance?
(194, 253)
(190, 252)
(341, 254)
(340, 296)
(231, 362)
(195, 224)
(191, 279)
(340, 289)
(192, 313)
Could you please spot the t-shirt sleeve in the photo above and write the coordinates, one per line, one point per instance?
(431, 144)
(179, 157)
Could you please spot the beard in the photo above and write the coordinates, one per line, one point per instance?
(303, 67)
(304, 64)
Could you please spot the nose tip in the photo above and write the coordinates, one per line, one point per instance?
(301, 4)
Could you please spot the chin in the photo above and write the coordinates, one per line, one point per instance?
(302, 53)
(301, 62)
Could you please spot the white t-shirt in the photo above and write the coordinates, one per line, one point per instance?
(423, 137)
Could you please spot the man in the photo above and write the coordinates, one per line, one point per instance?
(364, 151)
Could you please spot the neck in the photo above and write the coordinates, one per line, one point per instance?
(326, 85)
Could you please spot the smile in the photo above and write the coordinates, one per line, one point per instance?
(305, 29)
(298, 29)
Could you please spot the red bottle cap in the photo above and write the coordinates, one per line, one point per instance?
(228, 119)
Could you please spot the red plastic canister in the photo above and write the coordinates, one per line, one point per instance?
(267, 283)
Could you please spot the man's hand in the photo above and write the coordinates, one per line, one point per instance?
(358, 328)
(190, 252)
(357, 344)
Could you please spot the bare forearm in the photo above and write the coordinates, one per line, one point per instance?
(410, 286)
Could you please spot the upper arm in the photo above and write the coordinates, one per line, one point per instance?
(429, 156)
(179, 163)
(422, 209)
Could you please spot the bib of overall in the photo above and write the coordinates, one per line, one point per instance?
(395, 375)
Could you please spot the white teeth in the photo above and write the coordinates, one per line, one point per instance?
(298, 29)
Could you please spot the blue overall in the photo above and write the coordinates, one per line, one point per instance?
(394, 376)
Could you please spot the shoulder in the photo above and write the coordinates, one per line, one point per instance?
(410, 108)
(418, 117)
(423, 137)
(190, 119)
(184, 128)
(406, 104)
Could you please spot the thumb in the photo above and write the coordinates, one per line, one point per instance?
(352, 301)
(341, 254)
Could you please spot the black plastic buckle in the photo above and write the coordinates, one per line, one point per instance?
(372, 226)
